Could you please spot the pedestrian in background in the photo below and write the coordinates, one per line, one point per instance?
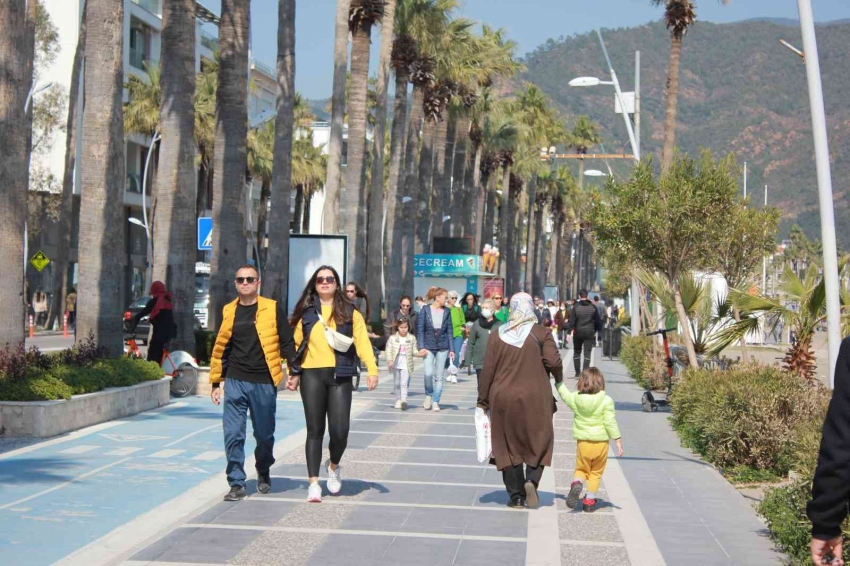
(419, 303)
(404, 310)
(584, 324)
(831, 486)
(502, 310)
(514, 386)
(330, 335)
(401, 348)
(39, 306)
(357, 296)
(71, 307)
(434, 336)
(479, 336)
(458, 332)
(159, 310)
(252, 341)
(594, 426)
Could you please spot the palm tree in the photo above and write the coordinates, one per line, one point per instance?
(206, 86)
(261, 166)
(331, 208)
(353, 202)
(584, 135)
(277, 267)
(230, 157)
(174, 224)
(309, 166)
(17, 48)
(679, 15)
(63, 226)
(807, 294)
(375, 243)
(102, 225)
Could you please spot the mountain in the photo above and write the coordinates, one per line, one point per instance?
(740, 92)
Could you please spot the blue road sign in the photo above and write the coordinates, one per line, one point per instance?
(205, 228)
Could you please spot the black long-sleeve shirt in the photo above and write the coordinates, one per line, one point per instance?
(243, 356)
(831, 489)
(584, 319)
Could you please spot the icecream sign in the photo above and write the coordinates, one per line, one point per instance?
(429, 265)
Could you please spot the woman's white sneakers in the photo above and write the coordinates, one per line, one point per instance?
(397, 404)
(314, 493)
(427, 404)
(334, 479)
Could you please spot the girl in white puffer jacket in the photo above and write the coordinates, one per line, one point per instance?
(401, 348)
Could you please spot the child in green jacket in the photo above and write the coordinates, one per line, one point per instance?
(594, 426)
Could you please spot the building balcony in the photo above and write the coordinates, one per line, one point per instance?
(152, 6)
(267, 70)
(209, 41)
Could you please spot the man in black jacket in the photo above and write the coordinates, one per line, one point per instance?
(584, 323)
(831, 488)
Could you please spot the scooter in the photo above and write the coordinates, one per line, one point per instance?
(648, 401)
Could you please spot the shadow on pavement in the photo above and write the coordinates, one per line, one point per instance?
(36, 470)
(349, 487)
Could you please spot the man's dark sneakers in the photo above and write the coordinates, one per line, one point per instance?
(575, 493)
(531, 497)
(516, 503)
(236, 493)
(264, 483)
(590, 505)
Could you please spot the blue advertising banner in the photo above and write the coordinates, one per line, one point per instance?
(430, 265)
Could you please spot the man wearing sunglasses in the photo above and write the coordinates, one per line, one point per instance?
(247, 357)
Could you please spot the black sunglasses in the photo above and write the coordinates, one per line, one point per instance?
(241, 280)
(330, 280)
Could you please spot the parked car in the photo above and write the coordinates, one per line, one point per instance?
(144, 326)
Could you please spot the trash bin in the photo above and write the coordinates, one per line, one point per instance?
(611, 339)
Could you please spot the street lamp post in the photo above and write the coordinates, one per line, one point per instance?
(149, 269)
(827, 214)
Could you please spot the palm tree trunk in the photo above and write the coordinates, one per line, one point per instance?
(530, 255)
(477, 195)
(230, 159)
(276, 272)
(375, 241)
(102, 224)
(672, 103)
(505, 231)
(308, 201)
(334, 171)
(174, 224)
(438, 188)
(423, 193)
(538, 280)
(395, 208)
(66, 208)
(16, 59)
(562, 249)
(446, 139)
(516, 237)
(262, 222)
(686, 327)
(579, 250)
(463, 205)
(409, 187)
(299, 209)
(353, 200)
(745, 354)
(488, 196)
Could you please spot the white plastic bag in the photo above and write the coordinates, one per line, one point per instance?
(483, 440)
(452, 369)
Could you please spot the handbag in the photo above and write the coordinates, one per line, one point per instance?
(483, 435)
(337, 341)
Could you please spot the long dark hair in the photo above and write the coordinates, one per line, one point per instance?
(360, 293)
(342, 309)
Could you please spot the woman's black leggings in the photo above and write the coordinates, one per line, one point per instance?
(322, 396)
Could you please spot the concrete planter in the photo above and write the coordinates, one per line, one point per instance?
(203, 386)
(49, 418)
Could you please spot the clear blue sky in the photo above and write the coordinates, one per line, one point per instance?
(529, 23)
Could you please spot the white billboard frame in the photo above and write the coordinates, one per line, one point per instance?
(308, 252)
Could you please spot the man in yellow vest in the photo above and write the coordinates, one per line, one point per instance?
(253, 336)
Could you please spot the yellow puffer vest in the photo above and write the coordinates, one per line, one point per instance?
(266, 330)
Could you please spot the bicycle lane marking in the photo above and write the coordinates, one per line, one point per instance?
(73, 499)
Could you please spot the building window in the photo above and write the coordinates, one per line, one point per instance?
(140, 44)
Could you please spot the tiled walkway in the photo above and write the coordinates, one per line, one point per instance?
(413, 493)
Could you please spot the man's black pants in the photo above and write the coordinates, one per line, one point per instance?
(581, 342)
(515, 478)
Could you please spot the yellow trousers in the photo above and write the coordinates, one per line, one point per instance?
(591, 458)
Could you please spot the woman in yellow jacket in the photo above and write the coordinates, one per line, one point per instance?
(327, 376)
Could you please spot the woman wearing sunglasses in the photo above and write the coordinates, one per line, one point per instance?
(330, 335)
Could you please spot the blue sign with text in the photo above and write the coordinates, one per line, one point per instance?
(429, 265)
(205, 228)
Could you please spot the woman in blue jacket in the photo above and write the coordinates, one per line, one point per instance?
(434, 334)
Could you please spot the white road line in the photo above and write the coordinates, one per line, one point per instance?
(307, 530)
(412, 421)
(81, 449)
(63, 484)
(410, 482)
(402, 448)
(166, 453)
(207, 456)
(335, 501)
(179, 440)
(124, 451)
(380, 432)
(421, 464)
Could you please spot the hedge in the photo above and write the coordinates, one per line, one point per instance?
(644, 366)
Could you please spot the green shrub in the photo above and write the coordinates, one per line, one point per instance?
(644, 366)
(748, 416)
(204, 342)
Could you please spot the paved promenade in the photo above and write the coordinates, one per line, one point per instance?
(414, 493)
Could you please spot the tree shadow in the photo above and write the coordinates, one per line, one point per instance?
(37, 470)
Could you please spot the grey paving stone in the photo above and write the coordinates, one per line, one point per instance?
(356, 550)
(157, 549)
(437, 521)
(213, 512)
(256, 513)
(507, 523)
(280, 549)
(587, 527)
(210, 546)
(369, 517)
(420, 552)
(488, 553)
(582, 555)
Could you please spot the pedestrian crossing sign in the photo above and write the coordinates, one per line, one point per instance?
(39, 261)
(205, 228)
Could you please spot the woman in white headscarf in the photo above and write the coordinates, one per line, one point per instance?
(515, 388)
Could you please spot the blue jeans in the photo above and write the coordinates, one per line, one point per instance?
(261, 399)
(457, 345)
(435, 371)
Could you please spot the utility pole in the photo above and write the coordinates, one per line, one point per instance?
(764, 259)
(745, 179)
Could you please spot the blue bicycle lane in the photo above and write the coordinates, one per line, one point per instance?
(57, 498)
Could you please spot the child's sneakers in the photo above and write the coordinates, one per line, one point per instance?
(397, 404)
(590, 505)
(575, 494)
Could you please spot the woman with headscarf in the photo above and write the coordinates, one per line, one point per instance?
(159, 307)
(514, 386)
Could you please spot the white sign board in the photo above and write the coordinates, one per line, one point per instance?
(628, 100)
(309, 252)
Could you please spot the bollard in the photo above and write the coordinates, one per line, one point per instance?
(65, 325)
(32, 328)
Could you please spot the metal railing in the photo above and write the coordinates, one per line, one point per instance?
(152, 6)
(209, 41)
(262, 67)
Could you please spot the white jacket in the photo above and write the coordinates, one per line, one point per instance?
(394, 345)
